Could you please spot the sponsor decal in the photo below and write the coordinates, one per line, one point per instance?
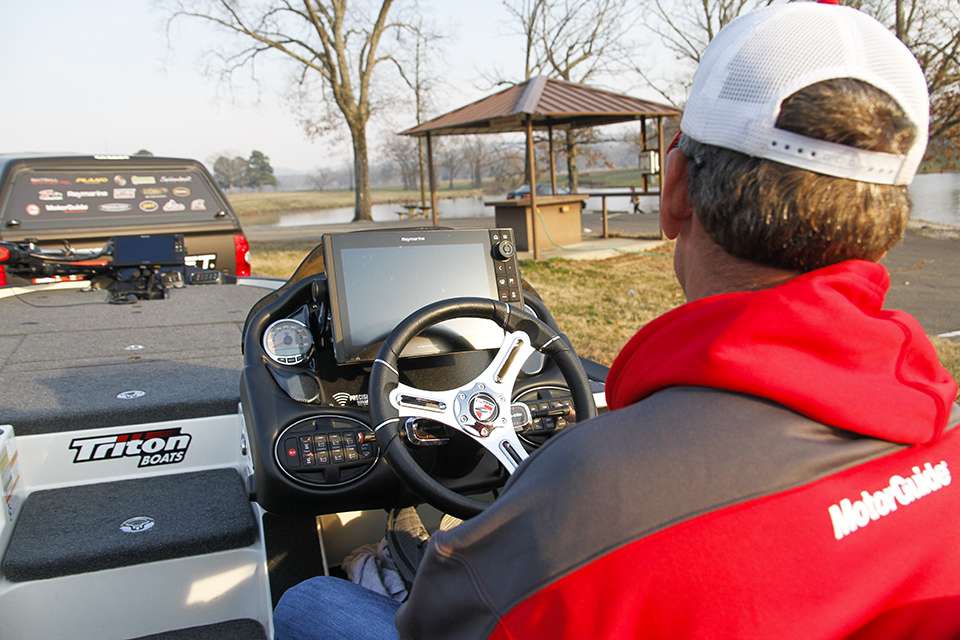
(32, 209)
(137, 524)
(125, 194)
(154, 192)
(115, 207)
(173, 205)
(153, 448)
(180, 192)
(202, 261)
(412, 238)
(91, 180)
(148, 205)
(484, 408)
(99, 193)
(143, 180)
(50, 195)
(849, 516)
(48, 181)
(70, 207)
(120, 181)
(198, 205)
(176, 178)
(131, 394)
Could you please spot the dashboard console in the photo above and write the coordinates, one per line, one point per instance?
(308, 350)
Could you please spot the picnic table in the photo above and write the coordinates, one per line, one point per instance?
(414, 210)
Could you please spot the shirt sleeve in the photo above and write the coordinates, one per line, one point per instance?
(447, 600)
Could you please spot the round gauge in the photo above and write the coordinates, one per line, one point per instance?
(287, 341)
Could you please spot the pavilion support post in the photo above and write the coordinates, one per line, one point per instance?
(532, 168)
(606, 228)
(553, 162)
(662, 150)
(432, 176)
(643, 150)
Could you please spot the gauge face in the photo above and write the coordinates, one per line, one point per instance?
(287, 341)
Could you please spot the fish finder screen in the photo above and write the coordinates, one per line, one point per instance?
(383, 285)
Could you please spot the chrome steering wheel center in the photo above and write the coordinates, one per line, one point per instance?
(484, 408)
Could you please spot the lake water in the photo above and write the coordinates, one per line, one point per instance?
(936, 198)
(449, 208)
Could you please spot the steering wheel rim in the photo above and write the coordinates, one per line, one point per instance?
(524, 335)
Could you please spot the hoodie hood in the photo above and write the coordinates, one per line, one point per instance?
(820, 344)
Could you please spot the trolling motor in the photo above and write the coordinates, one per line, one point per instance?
(129, 268)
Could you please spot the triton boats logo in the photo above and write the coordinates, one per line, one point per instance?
(154, 448)
(847, 516)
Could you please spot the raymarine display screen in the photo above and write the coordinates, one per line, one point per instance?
(377, 285)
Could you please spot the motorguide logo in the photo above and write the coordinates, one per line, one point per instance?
(847, 516)
(154, 448)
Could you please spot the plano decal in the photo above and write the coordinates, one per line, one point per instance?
(91, 180)
(153, 448)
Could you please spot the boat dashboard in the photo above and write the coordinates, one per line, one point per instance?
(310, 349)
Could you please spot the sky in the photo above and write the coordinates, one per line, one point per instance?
(106, 76)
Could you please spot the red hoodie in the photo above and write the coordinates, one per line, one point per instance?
(820, 344)
(778, 466)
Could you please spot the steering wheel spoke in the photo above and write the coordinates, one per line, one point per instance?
(411, 402)
(502, 372)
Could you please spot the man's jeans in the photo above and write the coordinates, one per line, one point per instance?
(331, 609)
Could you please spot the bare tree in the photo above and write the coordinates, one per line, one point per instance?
(572, 40)
(685, 27)
(416, 72)
(451, 159)
(327, 43)
(402, 150)
(321, 178)
(476, 155)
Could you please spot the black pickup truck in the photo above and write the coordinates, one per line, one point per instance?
(85, 200)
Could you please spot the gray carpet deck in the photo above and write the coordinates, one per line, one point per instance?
(65, 355)
(229, 630)
(77, 529)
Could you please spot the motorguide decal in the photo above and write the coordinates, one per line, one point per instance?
(847, 516)
(154, 448)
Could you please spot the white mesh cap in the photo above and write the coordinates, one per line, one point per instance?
(765, 56)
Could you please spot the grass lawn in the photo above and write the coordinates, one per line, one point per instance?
(599, 304)
(263, 207)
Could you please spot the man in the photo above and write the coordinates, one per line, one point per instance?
(780, 460)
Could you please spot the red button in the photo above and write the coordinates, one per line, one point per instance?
(292, 452)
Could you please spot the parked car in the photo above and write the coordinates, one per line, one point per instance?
(543, 189)
(86, 200)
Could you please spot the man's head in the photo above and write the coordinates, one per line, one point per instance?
(790, 159)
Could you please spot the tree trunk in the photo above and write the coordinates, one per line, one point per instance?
(361, 172)
(573, 176)
(421, 170)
